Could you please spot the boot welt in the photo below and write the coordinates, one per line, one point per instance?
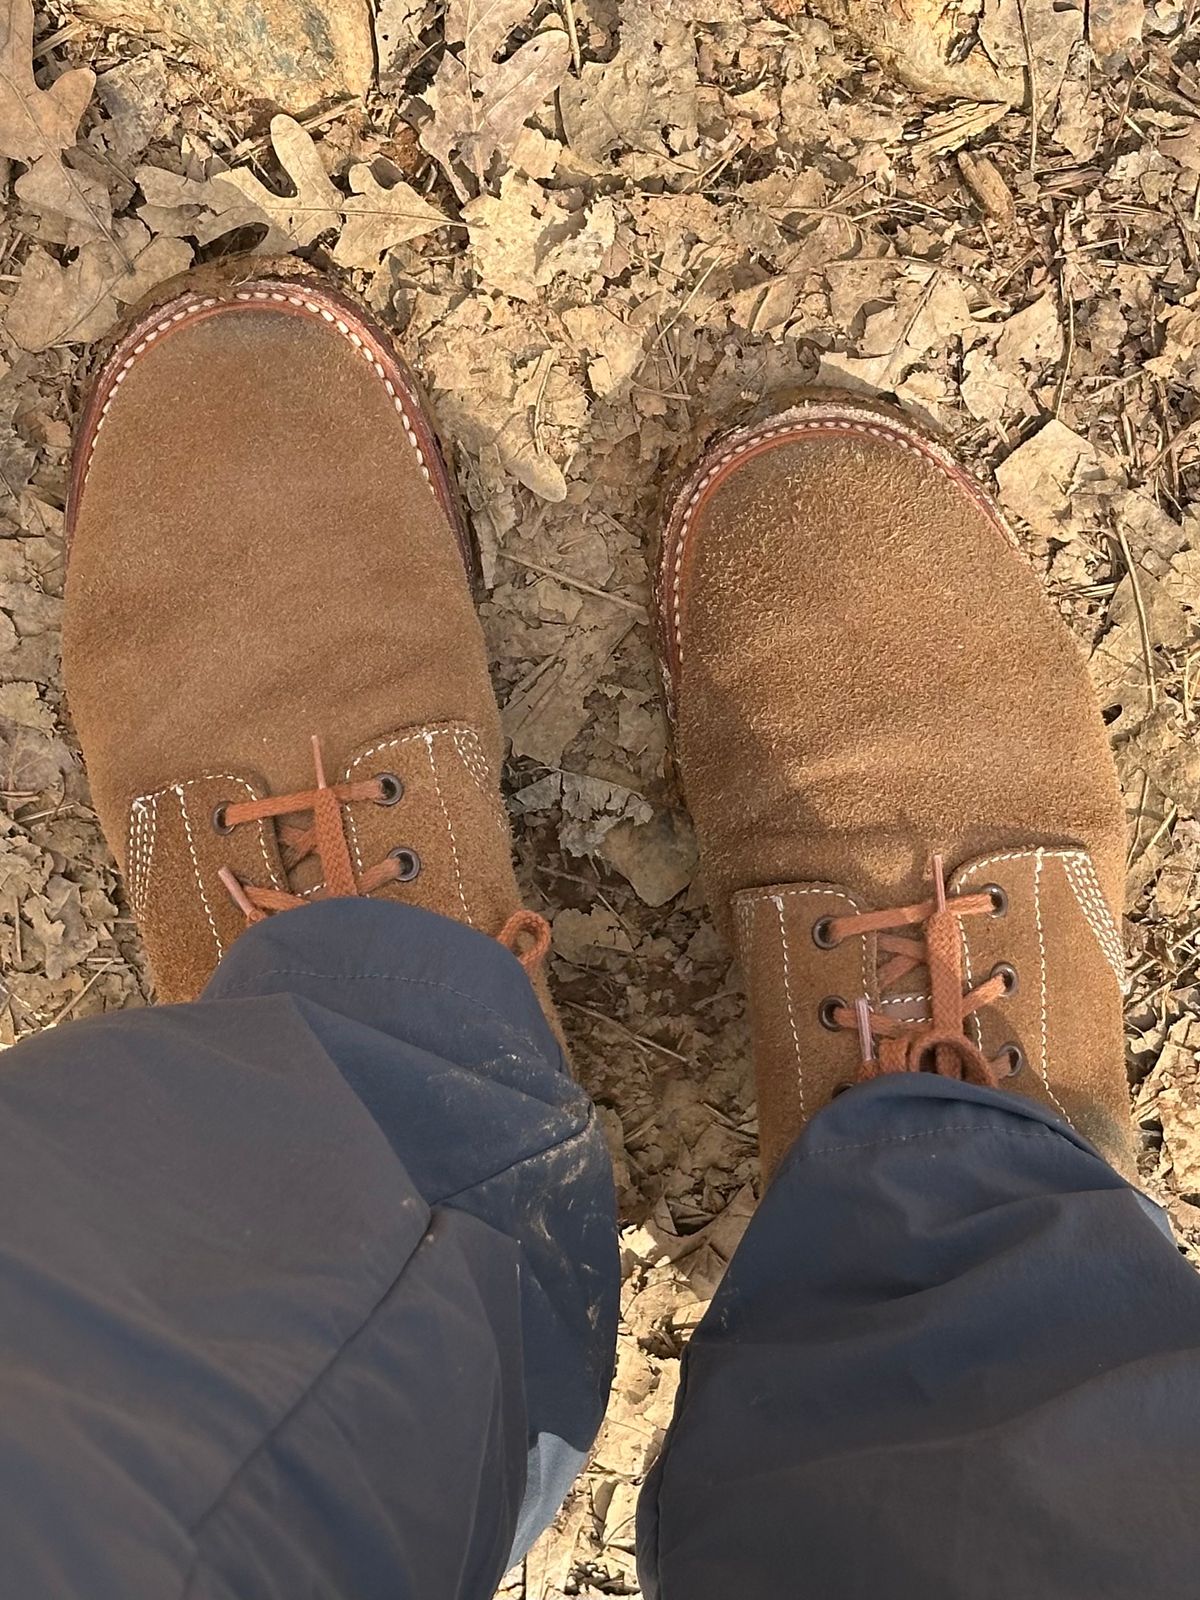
(229, 291)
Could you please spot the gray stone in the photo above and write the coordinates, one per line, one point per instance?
(659, 858)
(294, 54)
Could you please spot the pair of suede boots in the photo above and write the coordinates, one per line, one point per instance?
(909, 821)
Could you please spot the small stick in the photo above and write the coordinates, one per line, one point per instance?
(1034, 106)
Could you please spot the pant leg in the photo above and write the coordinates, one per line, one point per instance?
(955, 1358)
(308, 1290)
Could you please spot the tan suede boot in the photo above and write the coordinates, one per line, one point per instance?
(271, 650)
(869, 690)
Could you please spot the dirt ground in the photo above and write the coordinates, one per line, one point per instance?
(683, 205)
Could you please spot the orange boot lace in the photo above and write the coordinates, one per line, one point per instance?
(525, 933)
(941, 1044)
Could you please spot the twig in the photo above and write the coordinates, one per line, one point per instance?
(636, 1038)
(679, 310)
(1188, 431)
(70, 1006)
(547, 364)
(1035, 109)
(1143, 620)
(576, 583)
(1165, 826)
(53, 40)
(573, 36)
(1135, 833)
(319, 119)
(1187, 684)
(1069, 305)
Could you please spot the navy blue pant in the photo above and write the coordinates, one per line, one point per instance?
(308, 1292)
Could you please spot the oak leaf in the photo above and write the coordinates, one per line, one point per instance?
(379, 218)
(293, 221)
(480, 104)
(37, 125)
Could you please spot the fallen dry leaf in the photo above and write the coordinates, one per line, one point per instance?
(480, 104)
(293, 221)
(51, 189)
(72, 304)
(1039, 480)
(983, 178)
(37, 125)
(378, 218)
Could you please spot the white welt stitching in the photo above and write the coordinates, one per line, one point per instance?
(1081, 875)
(308, 306)
(449, 825)
(1037, 912)
(470, 752)
(148, 840)
(791, 1009)
(746, 898)
(220, 777)
(191, 844)
(894, 433)
(433, 731)
(1080, 871)
(143, 822)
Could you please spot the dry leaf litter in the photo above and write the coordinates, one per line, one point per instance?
(599, 227)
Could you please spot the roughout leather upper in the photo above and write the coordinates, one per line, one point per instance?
(261, 552)
(865, 671)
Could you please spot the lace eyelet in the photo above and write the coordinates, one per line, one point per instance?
(830, 1004)
(409, 863)
(1015, 1056)
(998, 898)
(1005, 970)
(219, 825)
(391, 789)
(821, 935)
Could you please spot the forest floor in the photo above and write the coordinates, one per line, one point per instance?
(683, 205)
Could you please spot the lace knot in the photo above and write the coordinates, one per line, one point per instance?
(940, 1044)
(525, 933)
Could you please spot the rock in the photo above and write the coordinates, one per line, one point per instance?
(921, 43)
(659, 857)
(294, 55)
(1115, 26)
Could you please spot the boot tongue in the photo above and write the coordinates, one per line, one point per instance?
(909, 1002)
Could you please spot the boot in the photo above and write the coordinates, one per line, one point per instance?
(909, 820)
(270, 645)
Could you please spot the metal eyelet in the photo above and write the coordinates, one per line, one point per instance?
(830, 1004)
(1005, 970)
(219, 825)
(998, 898)
(391, 789)
(409, 863)
(821, 935)
(1016, 1058)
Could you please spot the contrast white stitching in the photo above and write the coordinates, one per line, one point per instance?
(829, 421)
(787, 991)
(432, 731)
(1081, 875)
(1041, 934)
(449, 825)
(143, 825)
(1088, 894)
(220, 777)
(747, 897)
(191, 844)
(469, 750)
(309, 306)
